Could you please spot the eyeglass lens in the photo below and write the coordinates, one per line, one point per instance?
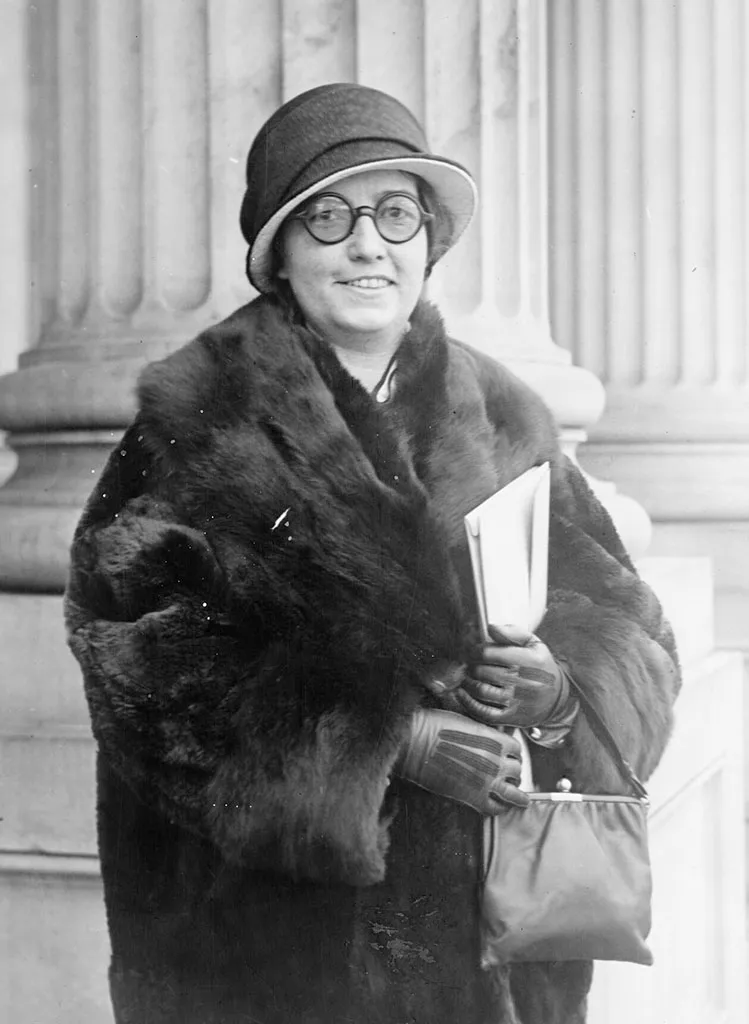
(330, 218)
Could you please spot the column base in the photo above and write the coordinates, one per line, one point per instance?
(41, 503)
(46, 747)
(682, 481)
(63, 414)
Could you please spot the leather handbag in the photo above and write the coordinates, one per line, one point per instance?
(568, 877)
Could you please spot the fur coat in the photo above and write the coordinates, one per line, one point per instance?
(268, 572)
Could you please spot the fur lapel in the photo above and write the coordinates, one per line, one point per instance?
(268, 445)
(459, 426)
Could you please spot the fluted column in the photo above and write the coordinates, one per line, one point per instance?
(649, 235)
(140, 117)
(489, 110)
(141, 114)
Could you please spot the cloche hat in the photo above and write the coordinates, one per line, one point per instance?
(326, 134)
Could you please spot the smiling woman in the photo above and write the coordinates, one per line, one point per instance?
(270, 597)
(360, 292)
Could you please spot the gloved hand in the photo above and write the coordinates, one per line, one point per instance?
(454, 757)
(516, 682)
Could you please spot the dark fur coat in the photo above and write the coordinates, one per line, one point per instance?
(268, 572)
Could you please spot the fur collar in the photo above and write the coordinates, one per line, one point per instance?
(259, 437)
(457, 417)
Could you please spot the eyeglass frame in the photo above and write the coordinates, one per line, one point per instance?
(364, 211)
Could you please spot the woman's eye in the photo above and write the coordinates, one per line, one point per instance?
(394, 212)
(398, 210)
(325, 214)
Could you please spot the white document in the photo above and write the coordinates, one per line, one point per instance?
(508, 537)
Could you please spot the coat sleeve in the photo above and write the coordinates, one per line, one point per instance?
(608, 627)
(193, 713)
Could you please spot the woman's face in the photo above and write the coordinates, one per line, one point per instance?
(358, 293)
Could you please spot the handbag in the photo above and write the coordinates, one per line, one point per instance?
(568, 877)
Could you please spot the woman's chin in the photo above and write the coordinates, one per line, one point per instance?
(370, 321)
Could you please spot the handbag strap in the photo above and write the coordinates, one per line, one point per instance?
(601, 731)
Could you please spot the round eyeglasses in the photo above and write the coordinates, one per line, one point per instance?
(330, 218)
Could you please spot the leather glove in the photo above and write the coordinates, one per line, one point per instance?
(454, 757)
(516, 681)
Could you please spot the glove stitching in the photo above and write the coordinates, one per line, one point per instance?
(465, 739)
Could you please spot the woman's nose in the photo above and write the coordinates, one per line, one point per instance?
(365, 241)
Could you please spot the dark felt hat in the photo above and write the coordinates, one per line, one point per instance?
(326, 134)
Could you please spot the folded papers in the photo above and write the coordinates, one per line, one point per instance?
(508, 537)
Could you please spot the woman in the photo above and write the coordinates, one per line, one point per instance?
(270, 597)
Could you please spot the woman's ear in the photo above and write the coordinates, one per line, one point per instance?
(278, 255)
(279, 260)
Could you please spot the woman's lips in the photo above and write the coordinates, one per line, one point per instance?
(368, 283)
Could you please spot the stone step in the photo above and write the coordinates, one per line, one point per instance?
(41, 680)
(54, 947)
(726, 543)
(697, 851)
(47, 791)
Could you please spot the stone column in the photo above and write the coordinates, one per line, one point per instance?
(649, 142)
(650, 235)
(139, 116)
(494, 289)
(649, 243)
(142, 117)
(139, 122)
(14, 198)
